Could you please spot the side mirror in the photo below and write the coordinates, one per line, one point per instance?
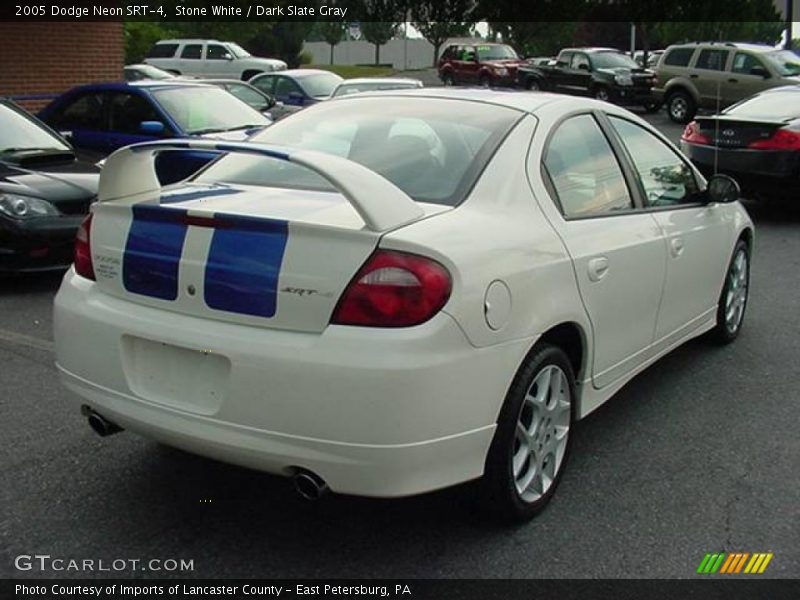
(151, 127)
(227, 56)
(271, 102)
(583, 67)
(722, 188)
(760, 71)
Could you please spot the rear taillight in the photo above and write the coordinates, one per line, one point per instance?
(782, 139)
(83, 250)
(692, 134)
(394, 289)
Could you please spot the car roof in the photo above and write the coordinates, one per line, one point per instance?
(121, 86)
(590, 49)
(183, 40)
(518, 100)
(358, 80)
(738, 45)
(299, 73)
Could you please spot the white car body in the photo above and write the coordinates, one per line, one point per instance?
(210, 59)
(375, 84)
(384, 411)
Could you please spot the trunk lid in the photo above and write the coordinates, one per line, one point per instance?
(270, 257)
(730, 132)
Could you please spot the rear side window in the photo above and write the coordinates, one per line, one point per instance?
(193, 51)
(162, 51)
(584, 171)
(712, 60)
(679, 57)
(84, 112)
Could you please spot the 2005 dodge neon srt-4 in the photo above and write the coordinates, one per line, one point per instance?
(393, 293)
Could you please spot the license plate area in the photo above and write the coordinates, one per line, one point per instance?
(190, 379)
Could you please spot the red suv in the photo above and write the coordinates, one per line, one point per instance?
(484, 64)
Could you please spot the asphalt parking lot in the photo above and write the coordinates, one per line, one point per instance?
(698, 454)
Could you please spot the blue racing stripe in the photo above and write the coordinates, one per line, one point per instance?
(153, 252)
(244, 263)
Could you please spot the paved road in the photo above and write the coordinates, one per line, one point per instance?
(698, 454)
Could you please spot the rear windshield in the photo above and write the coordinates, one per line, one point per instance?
(321, 85)
(433, 149)
(771, 105)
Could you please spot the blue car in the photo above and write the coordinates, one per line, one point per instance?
(100, 118)
(297, 87)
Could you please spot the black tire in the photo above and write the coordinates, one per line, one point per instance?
(601, 93)
(652, 107)
(681, 107)
(727, 329)
(173, 72)
(248, 75)
(533, 85)
(448, 79)
(498, 493)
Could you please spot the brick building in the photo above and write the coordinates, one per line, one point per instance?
(46, 58)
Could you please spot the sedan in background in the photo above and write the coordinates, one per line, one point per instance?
(45, 193)
(756, 140)
(298, 87)
(396, 292)
(146, 72)
(100, 118)
(375, 84)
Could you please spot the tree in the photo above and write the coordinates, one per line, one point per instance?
(284, 40)
(379, 32)
(140, 37)
(380, 19)
(331, 32)
(438, 21)
(537, 38)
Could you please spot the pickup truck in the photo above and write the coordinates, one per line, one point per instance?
(209, 59)
(602, 73)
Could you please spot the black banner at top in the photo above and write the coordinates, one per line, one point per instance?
(501, 11)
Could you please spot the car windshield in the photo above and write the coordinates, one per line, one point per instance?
(19, 132)
(613, 60)
(771, 105)
(237, 50)
(199, 109)
(346, 89)
(247, 94)
(151, 72)
(433, 149)
(320, 85)
(784, 62)
(500, 52)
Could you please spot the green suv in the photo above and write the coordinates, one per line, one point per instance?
(714, 75)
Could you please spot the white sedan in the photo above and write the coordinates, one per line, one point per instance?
(393, 293)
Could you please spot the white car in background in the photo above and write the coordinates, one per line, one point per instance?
(209, 59)
(375, 84)
(398, 292)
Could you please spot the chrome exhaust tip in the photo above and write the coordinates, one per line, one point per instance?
(309, 485)
(101, 426)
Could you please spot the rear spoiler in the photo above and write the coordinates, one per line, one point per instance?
(130, 171)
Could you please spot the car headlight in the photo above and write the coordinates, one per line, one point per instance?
(623, 79)
(25, 207)
(501, 70)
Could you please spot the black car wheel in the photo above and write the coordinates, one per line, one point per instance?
(484, 81)
(448, 79)
(601, 93)
(652, 107)
(681, 107)
(733, 299)
(533, 85)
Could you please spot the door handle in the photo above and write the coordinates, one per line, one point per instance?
(676, 247)
(598, 268)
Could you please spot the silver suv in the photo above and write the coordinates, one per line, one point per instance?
(714, 75)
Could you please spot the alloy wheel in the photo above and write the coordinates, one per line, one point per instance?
(736, 296)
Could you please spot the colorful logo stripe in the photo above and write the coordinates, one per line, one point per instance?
(734, 562)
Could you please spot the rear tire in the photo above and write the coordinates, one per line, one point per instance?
(533, 85)
(733, 299)
(531, 444)
(484, 81)
(681, 107)
(601, 93)
(448, 80)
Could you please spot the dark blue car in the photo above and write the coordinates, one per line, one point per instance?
(297, 87)
(100, 118)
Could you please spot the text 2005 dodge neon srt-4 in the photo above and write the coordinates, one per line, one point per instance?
(412, 290)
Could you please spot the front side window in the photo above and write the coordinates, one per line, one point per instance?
(666, 178)
(432, 149)
(217, 52)
(286, 86)
(584, 171)
(744, 63)
(128, 111)
(84, 112)
(266, 84)
(248, 95)
(192, 51)
(580, 61)
(712, 60)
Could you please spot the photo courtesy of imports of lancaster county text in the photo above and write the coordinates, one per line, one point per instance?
(399, 299)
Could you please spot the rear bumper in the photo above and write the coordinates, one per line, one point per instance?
(37, 244)
(774, 172)
(376, 413)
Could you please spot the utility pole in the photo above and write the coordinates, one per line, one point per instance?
(789, 18)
